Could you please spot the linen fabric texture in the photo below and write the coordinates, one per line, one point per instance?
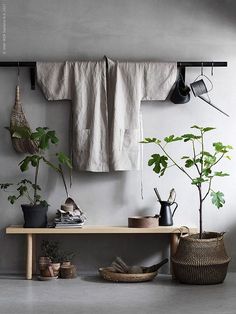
(106, 96)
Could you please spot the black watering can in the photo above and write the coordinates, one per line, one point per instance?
(166, 216)
(199, 88)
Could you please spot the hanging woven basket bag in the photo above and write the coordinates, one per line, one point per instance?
(18, 121)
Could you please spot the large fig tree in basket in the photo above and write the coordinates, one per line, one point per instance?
(201, 166)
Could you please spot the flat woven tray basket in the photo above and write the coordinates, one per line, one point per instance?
(119, 277)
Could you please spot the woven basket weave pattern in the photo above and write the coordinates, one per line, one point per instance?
(201, 261)
(18, 119)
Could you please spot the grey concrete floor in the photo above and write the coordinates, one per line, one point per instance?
(89, 294)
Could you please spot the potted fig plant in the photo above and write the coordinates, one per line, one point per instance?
(35, 212)
(200, 258)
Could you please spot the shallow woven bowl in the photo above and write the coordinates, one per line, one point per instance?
(118, 277)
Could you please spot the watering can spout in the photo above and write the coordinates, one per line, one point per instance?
(214, 106)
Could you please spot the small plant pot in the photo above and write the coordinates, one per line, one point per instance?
(47, 272)
(56, 268)
(35, 216)
(68, 272)
(65, 264)
(44, 262)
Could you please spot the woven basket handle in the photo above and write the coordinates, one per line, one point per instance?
(184, 231)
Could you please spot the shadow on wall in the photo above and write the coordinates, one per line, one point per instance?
(97, 251)
(230, 237)
(226, 9)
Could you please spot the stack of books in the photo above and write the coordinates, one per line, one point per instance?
(71, 219)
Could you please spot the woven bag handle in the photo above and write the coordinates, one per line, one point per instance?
(184, 233)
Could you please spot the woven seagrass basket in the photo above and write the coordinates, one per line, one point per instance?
(201, 261)
(120, 277)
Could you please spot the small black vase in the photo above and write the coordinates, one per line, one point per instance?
(35, 216)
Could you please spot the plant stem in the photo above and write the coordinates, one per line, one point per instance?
(218, 160)
(63, 179)
(208, 191)
(200, 209)
(36, 182)
(180, 168)
(29, 198)
(194, 157)
(202, 153)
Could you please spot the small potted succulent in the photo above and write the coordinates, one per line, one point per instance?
(35, 212)
(200, 258)
(58, 260)
(51, 254)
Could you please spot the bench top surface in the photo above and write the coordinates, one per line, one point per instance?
(98, 230)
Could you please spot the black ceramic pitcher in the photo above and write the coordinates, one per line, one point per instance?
(166, 216)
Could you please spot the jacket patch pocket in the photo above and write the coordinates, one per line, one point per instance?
(131, 140)
(83, 141)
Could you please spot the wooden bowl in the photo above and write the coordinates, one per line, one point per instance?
(118, 277)
(143, 222)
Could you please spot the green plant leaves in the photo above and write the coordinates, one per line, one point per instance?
(172, 138)
(221, 148)
(22, 189)
(202, 129)
(220, 174)
(209, 160)
(150, 140)
(198, 181)
(189, 163)
(189, 137)
(207, 172)
(33, 160)
(4, 186)
(19, 131)
(217, 199)
(64, 159)
(12, 199)
(160, 163)
(207, 129)
(44, 137)
(24, 164)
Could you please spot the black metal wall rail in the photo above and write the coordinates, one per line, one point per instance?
(181, 65)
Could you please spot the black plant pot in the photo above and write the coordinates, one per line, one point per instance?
(35, 216)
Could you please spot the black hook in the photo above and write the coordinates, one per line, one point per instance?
(18, 73)
(32, 77)
(202, 69)
(182, 72)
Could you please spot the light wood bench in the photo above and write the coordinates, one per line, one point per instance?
(31, 233)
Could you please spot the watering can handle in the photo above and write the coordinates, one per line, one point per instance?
(175, 208)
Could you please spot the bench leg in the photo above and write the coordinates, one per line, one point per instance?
(29, 260)
(174, 241)
(34, 257)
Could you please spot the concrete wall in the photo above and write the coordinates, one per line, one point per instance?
(132, 30)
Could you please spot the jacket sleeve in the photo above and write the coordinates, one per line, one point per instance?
(54, 79)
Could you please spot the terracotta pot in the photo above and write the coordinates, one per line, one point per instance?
(65, 264)
(44, 263)
(47, 272)
(56, 268)
(68, 272)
